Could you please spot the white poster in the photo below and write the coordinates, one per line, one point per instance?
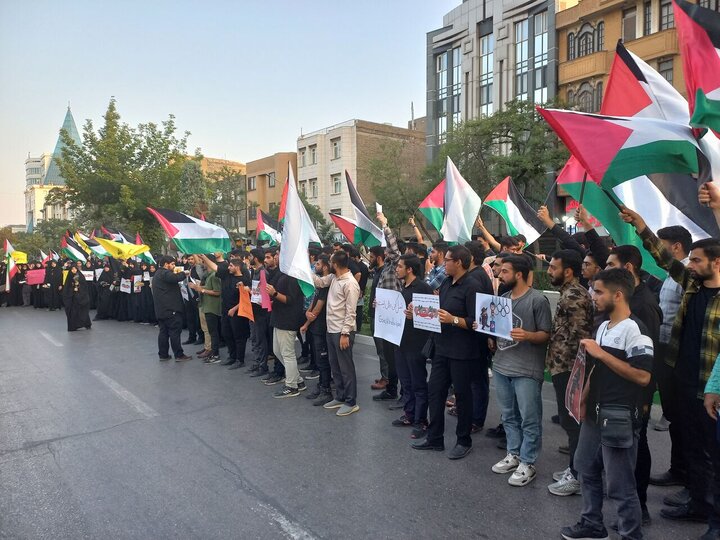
(184, 291)
(255, 296)
(125, 286)
(137, 287)
(98, 271)
(389, 315)
(89, 275)
(493, 315)
(146, 276)
(136, 278)
(425, 312)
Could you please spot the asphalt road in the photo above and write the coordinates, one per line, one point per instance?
(100, 440)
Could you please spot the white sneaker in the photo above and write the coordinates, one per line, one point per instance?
(567, 485)
(559, 475)
(523, 475)
(490, 373)
(508, 464)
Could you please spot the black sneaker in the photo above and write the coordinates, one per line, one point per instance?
(227, 362)
(583, 531)
(419, 431)
(302, 386)
(403, 421)
(259, 373)
(315, 393)
(237, 365)
(164, 358)
(384, 396)
(323, 398)
(213, 359)
(496, 432)
(273, 379)
(307, 369)
(314, 374)
(286, 391)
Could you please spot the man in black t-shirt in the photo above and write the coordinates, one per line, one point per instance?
(316, 331)
(620, 362)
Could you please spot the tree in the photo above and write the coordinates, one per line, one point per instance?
(513, 142)
(193, 189)
(118, 171)
(228, 198)
(51, 231)
(393, 185)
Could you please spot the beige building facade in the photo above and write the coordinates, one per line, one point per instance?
(264, 185)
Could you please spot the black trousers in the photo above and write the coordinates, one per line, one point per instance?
(192, 319)
(236, 331)
(319, 349)
(389, 355)
(567, 422)
(170, 329)
(213, 324)
(459, 373)
(669, 400)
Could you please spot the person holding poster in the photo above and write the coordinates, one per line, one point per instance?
(53, 285)
(518, 370)
(573, 322)
(454, 357)
(409, 361)
(76, 300)
(168, 309)
(620, 359)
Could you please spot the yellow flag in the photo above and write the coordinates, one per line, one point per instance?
(79, 239)
(119, 250)
(20, 257)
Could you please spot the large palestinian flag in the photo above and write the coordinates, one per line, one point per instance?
(699, 32)
(461, 206)
(519, 216)
(628, 146)
(192, 236)
(433, 206)
(72, 250)
(366, 232)
(268, 229)
(354, 234)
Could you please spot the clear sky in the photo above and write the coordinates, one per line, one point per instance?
(244, 77)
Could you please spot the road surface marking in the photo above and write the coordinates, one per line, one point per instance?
(50, 339)
(126, 395)
(290, 528)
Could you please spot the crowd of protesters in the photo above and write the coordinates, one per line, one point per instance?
(639, 334)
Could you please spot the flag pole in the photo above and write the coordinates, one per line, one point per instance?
(550, 191)
(582, 188)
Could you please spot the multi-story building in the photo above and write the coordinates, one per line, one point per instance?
(211, 166)
(488, 52)
(323, 157)
(42, 174)
(265, 181)
(588, 31)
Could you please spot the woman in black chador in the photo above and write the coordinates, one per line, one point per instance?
(53, 285)
(76, 299)
(105, 294)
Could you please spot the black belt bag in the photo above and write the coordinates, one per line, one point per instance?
(617, 429)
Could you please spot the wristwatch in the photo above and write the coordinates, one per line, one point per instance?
(275, 294)
(456, 321)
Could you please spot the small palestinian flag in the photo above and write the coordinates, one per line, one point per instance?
(11, 268)
(432, 206)
(116, 235)
(367, 232)
(90, 245)
(461, 206)
(145, 256)
(72, 250)
(268, 229)
(629, 146)
(354, 234)
(519, 216)
(192, 236)
(699, 32)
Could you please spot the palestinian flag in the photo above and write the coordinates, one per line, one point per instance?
(90, 245)
(432, 206)
(461, 205)
(268, 229)
(44, 258)
(699, 33)
(145, 256)
(115, 234)
(366, 232)
(629, 146)
(283, 203)
(348, 227)
(297, 233)
(11, 268)
(519, 216)
(72, 250)
(191, 235)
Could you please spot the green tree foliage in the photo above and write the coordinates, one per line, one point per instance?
(193, 189)
(514, 142)
(118, 171)
(228, 198)
(393, 185)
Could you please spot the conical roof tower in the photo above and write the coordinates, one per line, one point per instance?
(52, 177)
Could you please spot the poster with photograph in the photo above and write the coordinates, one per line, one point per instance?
(255, 296)
(389, 315)
(425, 312)
(494, 315)
(89, 275)
(125, 286)
(576, 385)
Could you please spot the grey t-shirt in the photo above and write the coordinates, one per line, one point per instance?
(531, 312)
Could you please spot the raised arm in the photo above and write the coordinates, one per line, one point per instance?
(494, 244)
(709, 195)
(418, 234)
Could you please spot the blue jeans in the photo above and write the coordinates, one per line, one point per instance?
(520, 401)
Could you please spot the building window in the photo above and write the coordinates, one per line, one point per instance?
(303, 188)
(302, 157)
(600, 36)
(487, 56)
(313, 188)
(442, 129)
(522, 61)
(540, 60)
(571, 98)
(336, 211)
(665, 68)
(313, 154)
(271, 208)
(629, 21)
(647, 19)
(598, 97)
(271, 179)
(667, 17)
(586, 98)
(710, 4)
(336, 184)
(251, 183)
(456, 86)
(335, 143)
(586, 41)
(252, 212)
(571, 46)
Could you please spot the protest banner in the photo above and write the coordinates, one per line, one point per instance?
(389, 315)
(493, 315)
(425, 312)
